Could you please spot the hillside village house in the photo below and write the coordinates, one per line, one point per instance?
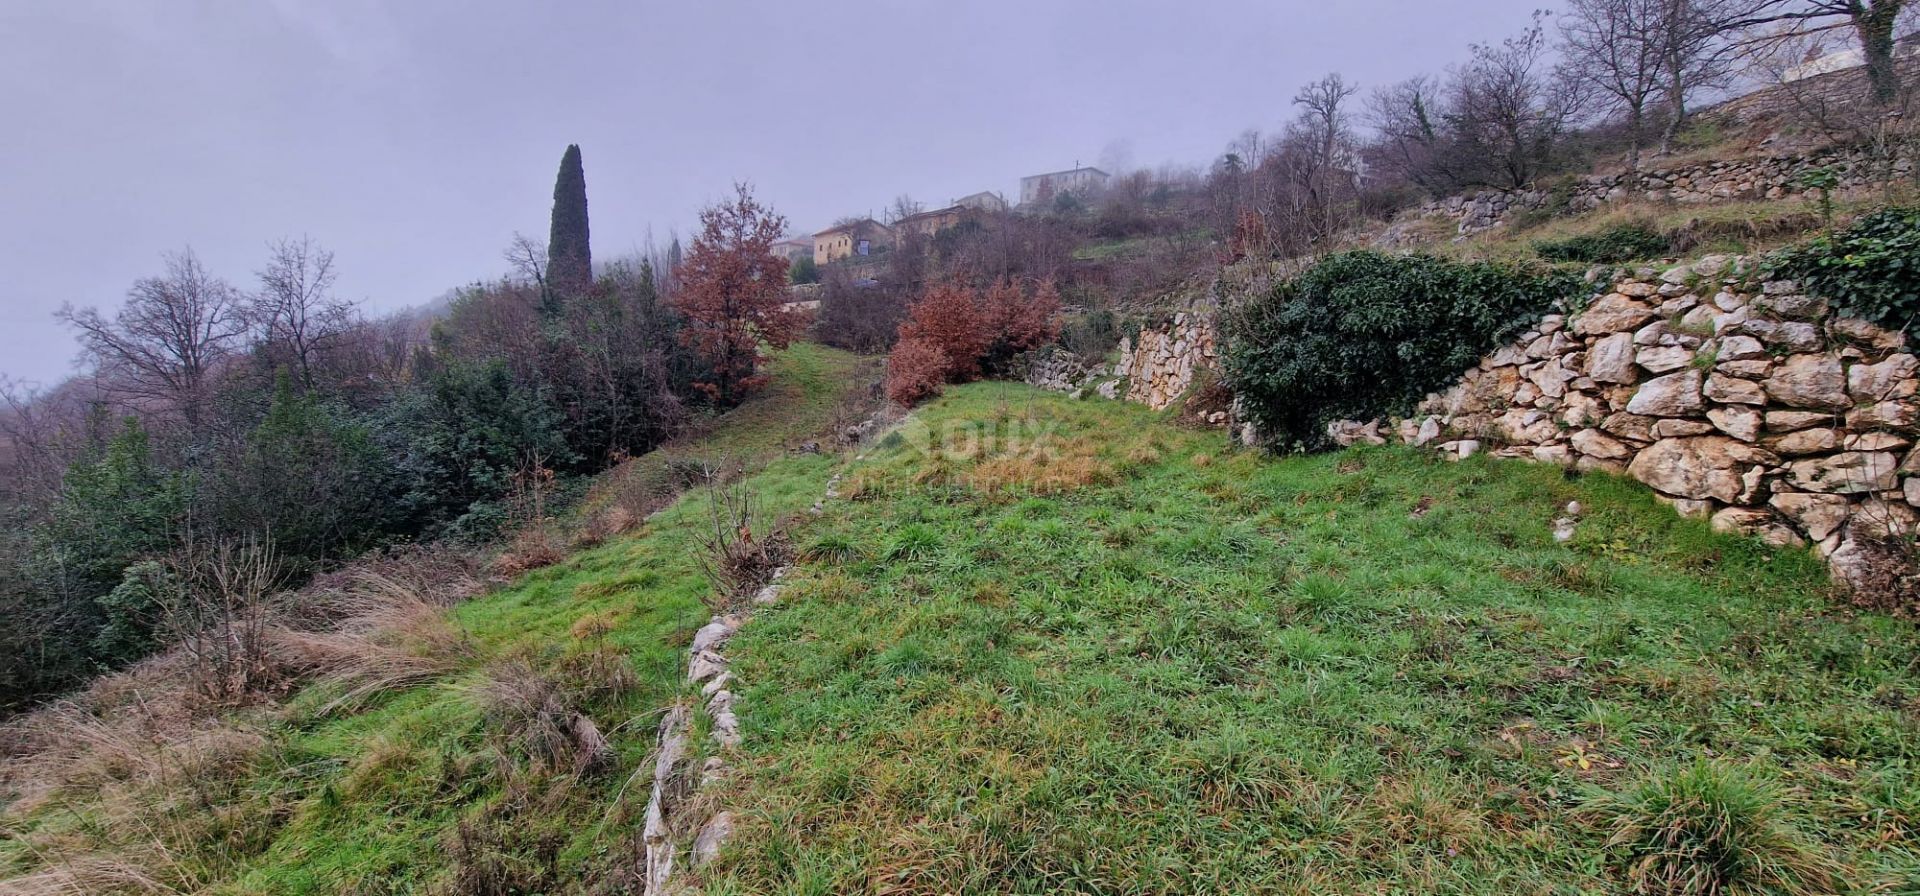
(929, 223)
(1041, 189)
(982, 201)
(793, 248)
(858, 239)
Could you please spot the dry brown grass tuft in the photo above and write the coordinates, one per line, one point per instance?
(392, 647)
(1041, 475)
(537, 717)
(142, 726)
(594, 626)
(1048, 466)
(1143, 456)
(532, 548)
(605, 525)
(103, 872)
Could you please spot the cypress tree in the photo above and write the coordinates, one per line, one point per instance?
(569, 261)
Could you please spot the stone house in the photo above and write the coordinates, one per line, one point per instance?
(1042, 189)
(854, 240)
(929, 223)
(983, 201)
(793, 248)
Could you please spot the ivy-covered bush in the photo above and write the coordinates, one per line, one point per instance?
(1363, 334)
(1869, 270)
(1625, 242)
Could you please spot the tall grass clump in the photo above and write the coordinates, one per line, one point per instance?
(1709, 829)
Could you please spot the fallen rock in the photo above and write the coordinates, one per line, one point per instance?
(706, 845)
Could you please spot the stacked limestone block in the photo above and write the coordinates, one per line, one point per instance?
(1754, 405)
(1161, 364)
(1720, 181)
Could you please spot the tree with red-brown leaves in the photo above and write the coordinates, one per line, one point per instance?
(953, 319)
(915, 370)
(733, 292)
(1019, 322)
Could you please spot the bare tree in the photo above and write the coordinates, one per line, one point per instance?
(170, 338)
(214, 608)
(1620, 47)
(1311, 180)
(529, 260)
(37, 441)
(1510, 107)
(903, 207)
(296, 309)
(1408, 122)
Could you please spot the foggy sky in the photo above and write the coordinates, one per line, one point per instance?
(414, 137)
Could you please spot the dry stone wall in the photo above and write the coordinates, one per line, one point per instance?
(1749, 403)
(1161, 363)
(1155, 368)
(1722, 181)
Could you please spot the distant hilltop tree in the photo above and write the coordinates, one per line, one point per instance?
(569, 259)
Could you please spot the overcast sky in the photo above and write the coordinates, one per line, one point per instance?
(414, 137)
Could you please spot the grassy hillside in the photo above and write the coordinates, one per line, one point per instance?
(1055, 646)
(1130, 662)
(477, 778)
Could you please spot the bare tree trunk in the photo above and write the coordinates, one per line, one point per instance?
(1874, 22)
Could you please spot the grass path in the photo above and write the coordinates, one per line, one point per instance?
(1143, 664)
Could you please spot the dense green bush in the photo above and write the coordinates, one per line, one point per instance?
(1870, 270)
(1625, 242)
(1364, 334)
(460, 439)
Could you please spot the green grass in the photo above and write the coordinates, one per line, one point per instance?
(1079, 649)
(395, 797)
(1175, 669)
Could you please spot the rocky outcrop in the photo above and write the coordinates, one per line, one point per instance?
(1749, 404)
(1770, 177)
